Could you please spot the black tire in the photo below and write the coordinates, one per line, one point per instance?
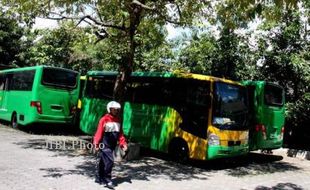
(14, 122)
(178, 151)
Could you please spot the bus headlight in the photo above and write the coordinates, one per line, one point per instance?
(213, 140)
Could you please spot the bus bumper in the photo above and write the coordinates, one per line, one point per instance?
(214, 152)
(52, 119)
(270, 144)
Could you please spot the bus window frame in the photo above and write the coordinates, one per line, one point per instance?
(53, 85)
(91, 78)
(267, 103)
(215, 105)
(10, 78)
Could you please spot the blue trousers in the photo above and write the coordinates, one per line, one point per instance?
(104, 165)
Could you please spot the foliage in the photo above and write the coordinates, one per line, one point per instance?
(199, 55)
(122, 21)
(298, 112)
(297, 130)
(153, 52)
(11, 42)
(284, 51)
(66, 46)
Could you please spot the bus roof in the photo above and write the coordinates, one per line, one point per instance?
(175, 74)
(33, 67)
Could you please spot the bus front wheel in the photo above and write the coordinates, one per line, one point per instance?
(14, 122)
(178, 150)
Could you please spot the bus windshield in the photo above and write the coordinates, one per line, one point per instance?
(59, 78)
(273, 95)
(230, 107)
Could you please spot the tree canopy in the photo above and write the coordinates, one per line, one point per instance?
(122, 21)
(11, 40)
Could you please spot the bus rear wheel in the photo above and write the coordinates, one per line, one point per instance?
(14, 122)
(178, 151)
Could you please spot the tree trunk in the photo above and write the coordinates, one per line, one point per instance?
(122, 78)
(127, 64)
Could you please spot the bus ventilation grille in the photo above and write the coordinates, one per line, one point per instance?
(234, 143)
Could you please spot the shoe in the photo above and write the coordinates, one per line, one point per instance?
(110, 185)
(98, 181)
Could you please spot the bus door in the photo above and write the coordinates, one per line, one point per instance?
(253, 103)
(273, 112)
(4, 90)
(196, 108)
(2, 93)
(193, 104)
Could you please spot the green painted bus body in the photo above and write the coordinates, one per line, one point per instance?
(94, 108)
(146, 124)
(56, 102)
(272, 117)
(155, 125)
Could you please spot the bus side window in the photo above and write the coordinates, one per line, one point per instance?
(149, 91)
(2, 82)
(101, 88)
(108, 87)
(8, 82)
(22, 81)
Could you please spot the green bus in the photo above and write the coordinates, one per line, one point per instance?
(38, 94)
(186, 115)
(267, 113)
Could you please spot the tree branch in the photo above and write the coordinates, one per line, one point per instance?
(166, 17)
(98, 23)
(98, 12)
(172, 21)
(60, 17)
(179, 10)
(136, 2)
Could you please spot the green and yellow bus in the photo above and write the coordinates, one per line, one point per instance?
(267, 113)
(187, 115)
(38, 94)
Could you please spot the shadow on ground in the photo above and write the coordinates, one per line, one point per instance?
(60, 145)
(151, 164)
(86, 169)
(51, 129)
(260, 164)
(155, 165)
(281, 186)
(46, 129)
(142, 169)
(251, 164)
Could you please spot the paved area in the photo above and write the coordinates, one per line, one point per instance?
(36, 161)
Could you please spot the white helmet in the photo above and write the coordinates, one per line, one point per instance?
(113, 104)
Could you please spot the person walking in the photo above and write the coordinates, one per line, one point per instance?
(109, 133)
